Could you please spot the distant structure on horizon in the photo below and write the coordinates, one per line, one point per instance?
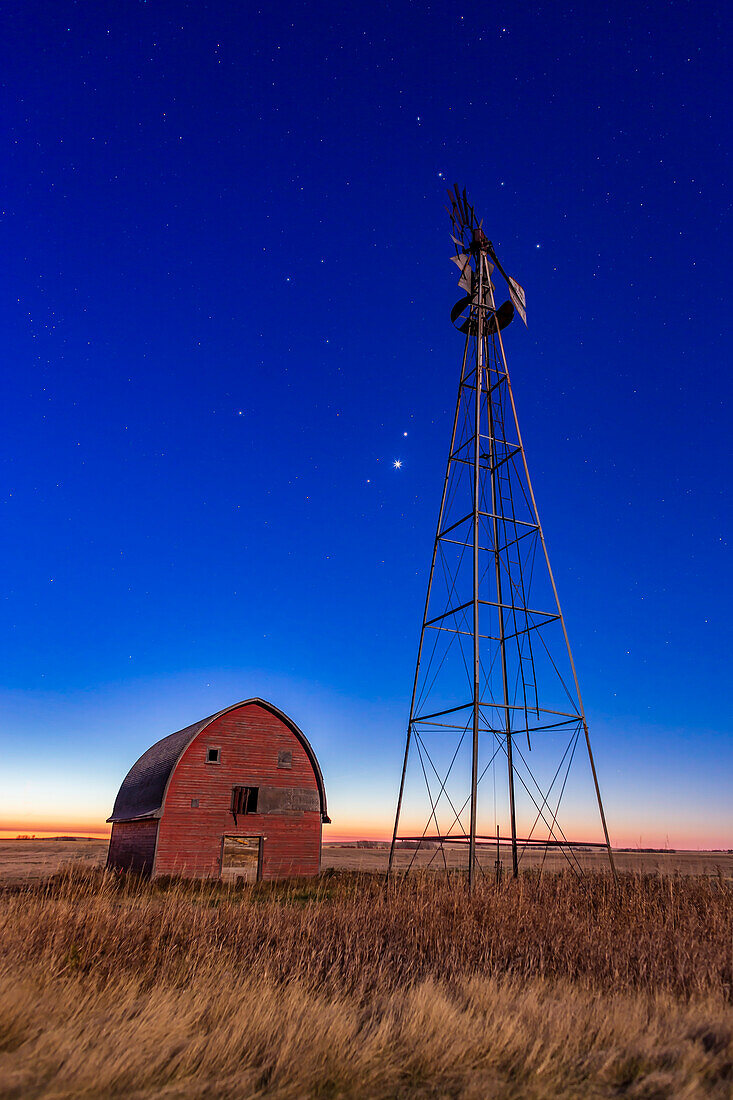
(238, 795)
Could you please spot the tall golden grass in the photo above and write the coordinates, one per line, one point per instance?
(546, 987)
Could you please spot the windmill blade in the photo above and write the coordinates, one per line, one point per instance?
(460, 206)
(454, 225)
(472, 218)
(454, 216)
(461, 260)
(516, 292)
(503, 317)
(459, 307)
(457, 212)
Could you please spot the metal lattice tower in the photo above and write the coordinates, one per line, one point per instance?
(495, 694)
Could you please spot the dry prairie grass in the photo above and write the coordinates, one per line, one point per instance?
(541, 988)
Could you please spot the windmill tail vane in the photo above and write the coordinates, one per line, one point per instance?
(496, 714)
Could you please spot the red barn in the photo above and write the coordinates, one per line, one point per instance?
(237, 795)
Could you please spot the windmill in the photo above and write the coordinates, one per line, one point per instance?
(496, 704)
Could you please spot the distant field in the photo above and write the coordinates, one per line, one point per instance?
(24, 861)
(546, 989)
(344, 857)
(32, 860)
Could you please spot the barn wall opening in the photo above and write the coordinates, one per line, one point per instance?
(241, 858)
(244, 800)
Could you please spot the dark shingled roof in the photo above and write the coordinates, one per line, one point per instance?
(143, 788)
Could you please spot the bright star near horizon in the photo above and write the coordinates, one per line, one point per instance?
(397, 464)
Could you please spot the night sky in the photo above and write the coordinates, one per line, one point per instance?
(225, 293)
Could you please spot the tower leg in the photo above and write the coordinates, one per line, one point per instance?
(399, 802)
(478, 315)
(559, 609)
(495, 503)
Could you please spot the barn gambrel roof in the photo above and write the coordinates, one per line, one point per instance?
(143, 788)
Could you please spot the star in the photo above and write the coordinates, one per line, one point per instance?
(397, 464)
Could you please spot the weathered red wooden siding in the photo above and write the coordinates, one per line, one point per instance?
(189, 839)
(132, 845)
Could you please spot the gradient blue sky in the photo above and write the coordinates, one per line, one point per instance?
(224, 301)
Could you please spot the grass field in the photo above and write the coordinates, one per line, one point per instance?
(545, 987)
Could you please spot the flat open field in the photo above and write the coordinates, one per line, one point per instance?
(544, 988)
(345, 857)
(26, 861)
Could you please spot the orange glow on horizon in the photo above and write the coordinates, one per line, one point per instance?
(40, 834)
(353, 829)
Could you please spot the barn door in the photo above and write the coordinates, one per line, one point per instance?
(240, 858)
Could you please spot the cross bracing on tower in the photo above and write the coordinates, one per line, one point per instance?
(496, 716)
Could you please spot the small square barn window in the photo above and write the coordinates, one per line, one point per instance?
(244, 800)
(212, 756)
(285, 758)
(194, 803)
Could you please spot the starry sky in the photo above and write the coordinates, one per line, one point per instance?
(225, 293)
